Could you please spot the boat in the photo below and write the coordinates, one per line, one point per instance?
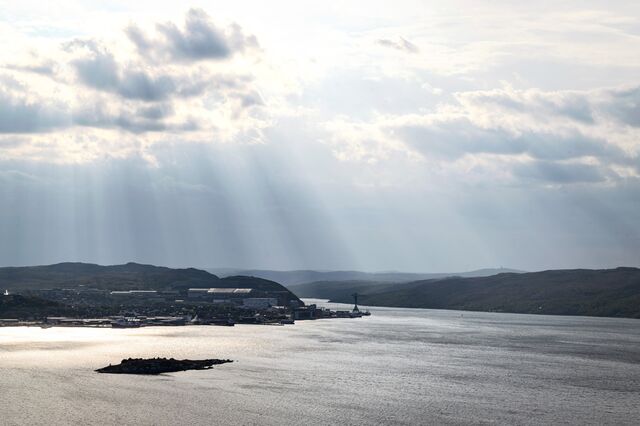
(356, 312)
(226, 322)
(126, 323)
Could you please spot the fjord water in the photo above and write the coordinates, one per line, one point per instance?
(398, 366)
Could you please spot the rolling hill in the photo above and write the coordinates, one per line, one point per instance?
(609, 292)
(130, 276)
(289, 278)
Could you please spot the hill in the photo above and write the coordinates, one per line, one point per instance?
(610, 292)
(130, 276)
(116, 277)
(289, 278)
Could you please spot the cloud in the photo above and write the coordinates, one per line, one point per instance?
(21, 115)
(140, 85)
(250, 99)
(572, 105)
(200, 39)
(399, 44)
(99, 69)
(583, 107)
(357, 162)
(559, 173)
(624, 105)
(180, 79)
(96, 95)
(146, 119)
(44, 68)
(12, 141)
(455, 138)
(156, 112)
(558, 137)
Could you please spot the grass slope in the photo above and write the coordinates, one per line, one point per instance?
(130, 276)
(611, 292)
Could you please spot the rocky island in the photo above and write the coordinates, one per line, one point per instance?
(160, 365)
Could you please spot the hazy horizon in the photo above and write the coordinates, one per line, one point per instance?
(220, 268)
(419, 136)
(366, 271)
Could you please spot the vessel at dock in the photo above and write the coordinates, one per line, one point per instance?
(126, 323)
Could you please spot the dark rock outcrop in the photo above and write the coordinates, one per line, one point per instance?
(160, 365)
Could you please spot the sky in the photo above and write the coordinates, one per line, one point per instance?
(426, 136)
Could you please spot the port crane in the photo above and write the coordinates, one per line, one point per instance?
(355, 302)
(356, 311)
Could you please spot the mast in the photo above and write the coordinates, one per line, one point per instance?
(355, 302)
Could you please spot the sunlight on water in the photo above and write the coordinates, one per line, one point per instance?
(399, 366)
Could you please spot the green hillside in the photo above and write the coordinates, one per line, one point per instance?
(611, 292)
(130, 276)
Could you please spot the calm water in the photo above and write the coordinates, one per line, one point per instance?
(399, 366)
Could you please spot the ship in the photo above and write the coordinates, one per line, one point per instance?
(356, 312)
(126, 323)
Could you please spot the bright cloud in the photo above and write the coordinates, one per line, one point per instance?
(187, 83)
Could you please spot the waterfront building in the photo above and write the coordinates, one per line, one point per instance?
(218, 294)
(259, 302)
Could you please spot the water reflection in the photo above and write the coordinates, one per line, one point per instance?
(397, 366)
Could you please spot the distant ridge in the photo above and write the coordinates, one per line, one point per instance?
(307, 276)
(114, 277)
(605, 292)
